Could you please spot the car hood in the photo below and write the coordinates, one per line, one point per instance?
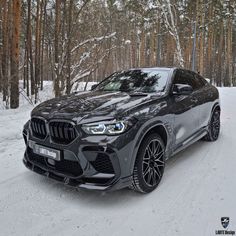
(91, 106)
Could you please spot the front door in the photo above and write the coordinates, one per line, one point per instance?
(185, 109)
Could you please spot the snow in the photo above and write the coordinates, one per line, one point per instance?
(47, 93)
(79, 86)
(118, 4)
(25, 102)
(198, 188)
(127, 41)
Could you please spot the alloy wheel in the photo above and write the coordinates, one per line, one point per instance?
(215, 124)
(153, 163)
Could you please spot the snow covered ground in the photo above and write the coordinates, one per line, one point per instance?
(198, 188)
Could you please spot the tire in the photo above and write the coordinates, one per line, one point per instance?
(214, 127)
(149, 165)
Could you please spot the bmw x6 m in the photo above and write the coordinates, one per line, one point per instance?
(121, 133)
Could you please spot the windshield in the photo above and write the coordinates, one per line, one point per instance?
(147, 81)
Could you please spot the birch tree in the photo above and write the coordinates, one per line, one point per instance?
(170, 18)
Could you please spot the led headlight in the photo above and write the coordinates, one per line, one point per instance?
(107, 127)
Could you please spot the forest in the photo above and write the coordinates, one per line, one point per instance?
(86, 40)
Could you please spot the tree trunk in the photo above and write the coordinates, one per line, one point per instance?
(209, 69)
(229, 64)
(42, 45)
(201, 37)
(1, 20)
(25, 75)
(220, 52)
(37, 47)
(142, 49)
(69, 17)
(29, 49)
(5, 49)
(56, 48)
(15, 50)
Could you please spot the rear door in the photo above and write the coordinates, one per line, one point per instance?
(204, 95)
(185, 108)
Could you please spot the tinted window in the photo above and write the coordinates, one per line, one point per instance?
(186, 77)
(200, 80)
(144, 80)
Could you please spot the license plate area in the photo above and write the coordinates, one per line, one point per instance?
(47, 152)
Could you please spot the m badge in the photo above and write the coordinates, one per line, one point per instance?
(225, 222)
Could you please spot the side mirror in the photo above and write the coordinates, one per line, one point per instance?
(93, 86)
(182, 89)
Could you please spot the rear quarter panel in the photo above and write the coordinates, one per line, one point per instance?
(210, 98)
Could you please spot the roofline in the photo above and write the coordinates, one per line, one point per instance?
(154, 68)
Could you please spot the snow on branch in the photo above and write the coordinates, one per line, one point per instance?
(91, 40)
(80, 76)
(90, 69)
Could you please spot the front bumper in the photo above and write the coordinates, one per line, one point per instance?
(79, 182)
(91, 162)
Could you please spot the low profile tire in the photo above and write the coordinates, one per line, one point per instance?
(149, 164)
(214, 126)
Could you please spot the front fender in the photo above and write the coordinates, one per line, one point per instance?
(145, 128)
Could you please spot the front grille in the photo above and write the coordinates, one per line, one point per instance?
(67, 167)
(38, 128)
(62, 132)
(103, 164)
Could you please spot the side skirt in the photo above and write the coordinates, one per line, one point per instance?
(194, 138)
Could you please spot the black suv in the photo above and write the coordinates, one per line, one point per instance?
(121, 132)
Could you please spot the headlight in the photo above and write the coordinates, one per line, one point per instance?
(108, 127)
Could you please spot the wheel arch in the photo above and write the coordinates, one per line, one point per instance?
(216, 106)
(208, 136)
(159, 129)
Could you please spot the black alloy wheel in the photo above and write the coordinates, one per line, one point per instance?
(214, 126)
(149, 165)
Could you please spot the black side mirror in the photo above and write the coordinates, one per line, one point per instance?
(93, 86)
(182, 89)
